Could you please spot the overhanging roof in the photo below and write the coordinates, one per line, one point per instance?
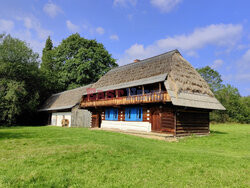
(144, 81)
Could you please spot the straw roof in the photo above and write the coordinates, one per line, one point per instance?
(65, 100)
(182, 81)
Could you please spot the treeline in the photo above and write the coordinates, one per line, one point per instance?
(237, 107)
(26, 81)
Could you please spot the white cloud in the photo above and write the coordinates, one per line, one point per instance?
(240, 74)
(125, 3)
(223, 35)
(52, 9)
(100, 30)
(130, 16)
(26, 35)
(31, 23)
(32, 32)
(244, 63)
(242, 69)
(72, 27)
(6, 26)
(165, 5)
(114, 37)
(217, 63)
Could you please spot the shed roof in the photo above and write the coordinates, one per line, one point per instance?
(65, 100)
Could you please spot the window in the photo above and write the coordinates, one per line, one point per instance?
(133, 114)
(111, 114)
(139, 113)
(115, 114)
(107, 113)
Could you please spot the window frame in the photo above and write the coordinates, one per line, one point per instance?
(133, 114)
(111, 114)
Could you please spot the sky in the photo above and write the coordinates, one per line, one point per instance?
(214, 33)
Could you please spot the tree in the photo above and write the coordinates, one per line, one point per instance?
(236, 111)
(80, 61)
(47, 58)
(19, 80)
(245, 101)
(12, 93)
(50, 77)
(212, 77)
(237, 107)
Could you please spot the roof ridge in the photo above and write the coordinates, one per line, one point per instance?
(142, 61)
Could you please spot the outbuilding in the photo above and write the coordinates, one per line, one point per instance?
(63, 109)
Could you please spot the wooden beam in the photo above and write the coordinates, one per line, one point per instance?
(142, 90)
(160, 87)
(116, 93)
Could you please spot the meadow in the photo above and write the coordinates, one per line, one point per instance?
(79, 157)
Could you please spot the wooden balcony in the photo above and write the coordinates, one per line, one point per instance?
(135, 99)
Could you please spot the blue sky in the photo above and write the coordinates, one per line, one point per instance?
(214, 33)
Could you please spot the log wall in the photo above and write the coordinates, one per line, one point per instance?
(168, 120)
(192, 122)
(177, 121)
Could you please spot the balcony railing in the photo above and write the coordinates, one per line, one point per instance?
(135, 99)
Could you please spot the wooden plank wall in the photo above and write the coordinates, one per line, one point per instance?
(192, 122)
(168, 120)
(80, 117)
(146, 114)
(121, 114)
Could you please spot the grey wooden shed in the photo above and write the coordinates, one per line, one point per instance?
(65, 106)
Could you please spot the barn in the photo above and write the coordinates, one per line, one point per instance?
(162, 94)
(63, 109)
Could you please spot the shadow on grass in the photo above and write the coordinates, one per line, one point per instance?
(10, 135)
(217, 132)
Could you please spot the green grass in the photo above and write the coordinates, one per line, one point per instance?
(78, 157)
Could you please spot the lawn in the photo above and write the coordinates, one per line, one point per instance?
(78, 157)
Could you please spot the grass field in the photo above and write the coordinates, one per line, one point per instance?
(77, 157)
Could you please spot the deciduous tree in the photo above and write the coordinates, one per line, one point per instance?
(212, 77)
(19, 80)
(80, 61)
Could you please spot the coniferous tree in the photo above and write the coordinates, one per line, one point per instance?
(49, 73)
(47, 58)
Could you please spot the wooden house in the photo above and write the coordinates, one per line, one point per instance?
(63, 109)
(161, 94)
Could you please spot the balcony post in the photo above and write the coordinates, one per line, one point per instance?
(159, 87)
(116, 93)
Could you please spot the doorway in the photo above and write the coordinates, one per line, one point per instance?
(156, 121)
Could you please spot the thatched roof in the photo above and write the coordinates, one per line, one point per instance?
(65, 100)
(182, 81)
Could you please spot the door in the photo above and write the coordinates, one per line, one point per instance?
(96, 120)
(156, 121)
